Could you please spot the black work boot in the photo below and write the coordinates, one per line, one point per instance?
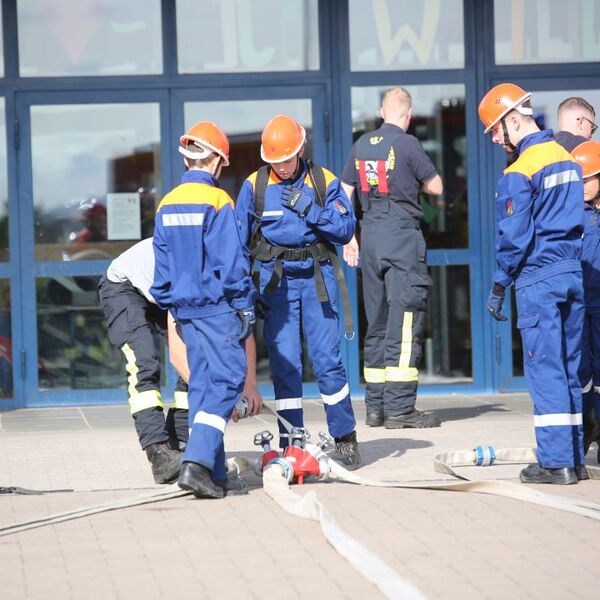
(233, 486)
(196, 478)
(166, 463)
(581, 472)
(177, 427)
(346, 451)
(416, 419)
(374, 416)
(591, 430)
(535, 474)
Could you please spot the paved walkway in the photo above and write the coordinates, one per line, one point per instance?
(450, 545)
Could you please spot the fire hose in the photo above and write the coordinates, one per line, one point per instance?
(303, 459)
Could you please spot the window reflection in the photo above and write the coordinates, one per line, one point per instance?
(243, 122)
(96, 178)
(1, 46)
(6, 384)
(447, 341)
(438, 121)
(73, 347)
(546, 31)
(545, 104)
(232, 36)
(4, 255)
(389, 35)
(89, 37)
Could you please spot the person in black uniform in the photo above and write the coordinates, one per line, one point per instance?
(134, 323)
(388, 168)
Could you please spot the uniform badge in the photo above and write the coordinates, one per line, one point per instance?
(509, 207)
(341, 208)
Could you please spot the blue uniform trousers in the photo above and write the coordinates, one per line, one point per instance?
(550, 319)
(217, 363)
(589, 369)
(294, 310)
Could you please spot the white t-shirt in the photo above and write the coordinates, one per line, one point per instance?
(135, 265)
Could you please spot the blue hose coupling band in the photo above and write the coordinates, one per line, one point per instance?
(484, 456)
(286, 467)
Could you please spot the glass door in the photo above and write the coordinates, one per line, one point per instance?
(242, 114)
(90, 175)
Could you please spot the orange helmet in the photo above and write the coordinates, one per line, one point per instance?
(209, 137)
(499, 101)
(587, 155)
(282, 138)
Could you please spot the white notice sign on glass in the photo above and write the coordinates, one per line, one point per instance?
(123, 216)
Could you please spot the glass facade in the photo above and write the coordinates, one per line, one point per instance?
(4, 212)
(6, 362)
(95, 94)
(235, 36)
(1, 45)
(95, 193)
(89, 37)
(243, 120)
(73, 347)
(402, 35)
(546, 31)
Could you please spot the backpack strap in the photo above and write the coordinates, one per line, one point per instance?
(260, 188)
(317, 178)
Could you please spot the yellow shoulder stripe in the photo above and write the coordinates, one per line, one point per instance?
(329, 177)
(197, 193)
(536, 157)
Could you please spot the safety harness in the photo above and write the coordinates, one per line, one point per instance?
(264, 251)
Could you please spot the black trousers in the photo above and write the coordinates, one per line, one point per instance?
(395, 285)
(135, 326)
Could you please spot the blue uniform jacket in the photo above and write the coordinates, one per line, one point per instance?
(281, 226)
(590, 258)
(539, 213)
(201, 267)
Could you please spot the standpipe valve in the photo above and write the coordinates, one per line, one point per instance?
(303, 462)
(264, 439)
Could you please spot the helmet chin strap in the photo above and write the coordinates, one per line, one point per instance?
(507, 141)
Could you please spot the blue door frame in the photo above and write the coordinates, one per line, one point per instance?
(329, 87)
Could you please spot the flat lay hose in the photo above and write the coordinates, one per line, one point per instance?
(391, 585)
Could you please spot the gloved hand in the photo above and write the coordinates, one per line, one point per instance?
(495, 302)
(248, 319)
(296, 199)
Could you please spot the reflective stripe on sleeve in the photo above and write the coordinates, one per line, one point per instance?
(182, 219)
(555, 179)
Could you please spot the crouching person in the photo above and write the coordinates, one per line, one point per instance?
(135, 324)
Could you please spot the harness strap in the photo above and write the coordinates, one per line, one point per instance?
(263, 251)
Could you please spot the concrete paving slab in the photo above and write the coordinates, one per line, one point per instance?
(450, 545)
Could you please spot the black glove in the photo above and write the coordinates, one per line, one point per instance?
(296, 199)
(248, 319)
(495, 302)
